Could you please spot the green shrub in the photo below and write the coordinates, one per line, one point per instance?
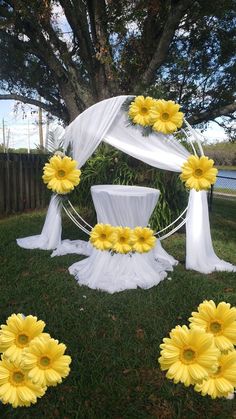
(110, 166)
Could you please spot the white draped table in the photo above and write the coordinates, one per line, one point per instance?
(123, 206)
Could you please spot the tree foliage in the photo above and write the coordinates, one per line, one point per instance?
(72, 53)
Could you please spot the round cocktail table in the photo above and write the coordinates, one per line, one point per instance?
(130, 206)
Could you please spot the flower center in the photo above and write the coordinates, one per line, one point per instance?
(22, 339)
(18, 377)
(198, 172)
(165, 116)
(44, 361)
(189, 355)
(215, 327)
(122, 239)
(61, 173)
(103, 236)
(217, 373)
(141, 239)
(144, 110)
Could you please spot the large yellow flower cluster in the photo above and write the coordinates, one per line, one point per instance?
(198, 173)
(61, 175)
(31, 360)
(122, 239)
(203, 355)
(161, 115)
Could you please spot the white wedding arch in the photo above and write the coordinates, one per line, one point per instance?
(107, 121)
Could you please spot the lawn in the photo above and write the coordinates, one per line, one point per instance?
(113, 339)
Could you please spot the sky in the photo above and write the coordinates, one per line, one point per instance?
(23, 129)
(20, 127)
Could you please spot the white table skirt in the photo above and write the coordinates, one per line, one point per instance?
(123, 206)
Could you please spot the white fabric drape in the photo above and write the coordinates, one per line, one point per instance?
(121, 205)
(87, 131)
(200, 255)
(50, 236)
(125, 206)
(157, 150)
(89, 128)
(105, 121)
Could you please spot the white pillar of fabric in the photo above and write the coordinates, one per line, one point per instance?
(200, 255)
(50, 236)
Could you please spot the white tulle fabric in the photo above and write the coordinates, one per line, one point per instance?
(123, 206)
(106, 121)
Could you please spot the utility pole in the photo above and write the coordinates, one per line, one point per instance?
(41, 128)
(28, 137)
(8, 139)
(3, 136)
(47, 133)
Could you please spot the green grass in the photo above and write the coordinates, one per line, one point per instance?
(226, 167)
(225, 191)
(113, 339)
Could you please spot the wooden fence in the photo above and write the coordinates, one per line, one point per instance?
(21, 185)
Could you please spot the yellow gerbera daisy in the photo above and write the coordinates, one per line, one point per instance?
(165, 116)
(17, 334)
(139, 110)
(222, 383)
(45, 361)
(218, 320)
(198, 173)
(101, 236)
(122, 240)
(61, 174)
(15, 386)
(143, 239)
(188, 355)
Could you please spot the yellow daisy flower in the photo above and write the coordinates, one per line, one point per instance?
(17, 334)
(165, 116)
(101, 236)
(45, 361)
(15, 386)
(222, 383)
(218, 320)
(198, 173)
(143, 239)
(139, 110)
(61, 174)
(122, 240)
(188, 355)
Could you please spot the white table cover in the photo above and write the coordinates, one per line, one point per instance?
(123, 206)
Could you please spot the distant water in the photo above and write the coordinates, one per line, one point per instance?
(224, 182)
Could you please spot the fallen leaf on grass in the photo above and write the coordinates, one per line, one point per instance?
(25, 274)
(126, 371)
(140, 334)
(228, 289)
(61, 269)
(113, 317)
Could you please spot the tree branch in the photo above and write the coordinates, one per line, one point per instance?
(211, 114)
(31, 101)
(175, 15)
